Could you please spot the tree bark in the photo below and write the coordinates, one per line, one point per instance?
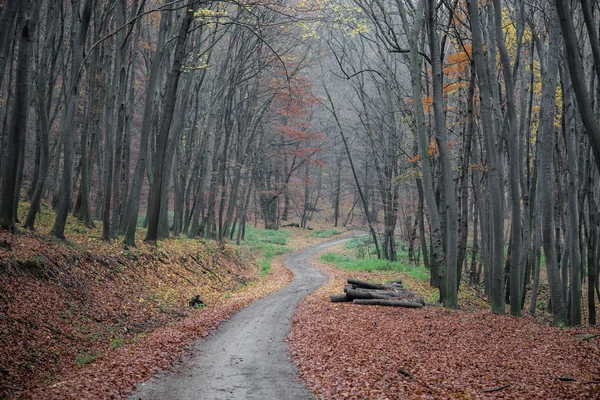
(9, 191)
(592, 127)
(44, 124)
(546, 141)
(132, 205)
(452, 279)
(163, 135)
(78, 35)
(490, 131)
(514, 165)
(437, 241)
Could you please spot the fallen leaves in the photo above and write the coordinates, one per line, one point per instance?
(348, 352)
(88, 319)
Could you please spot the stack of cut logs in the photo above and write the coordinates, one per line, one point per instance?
(388, 294)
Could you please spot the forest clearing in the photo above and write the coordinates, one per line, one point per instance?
(159, 158)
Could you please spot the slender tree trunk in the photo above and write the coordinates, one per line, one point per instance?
(494, 174)
(9, 191)
(464, 181)
(546, 141)
(78, 35)
(514, 166)
(163, 135)
(412, 30)
(83, 208)
(44, 124)
(9, 12)
(132, 205)
(573, 205)
(592, 127)
(452, 279)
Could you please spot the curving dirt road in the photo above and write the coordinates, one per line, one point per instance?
(247, 357)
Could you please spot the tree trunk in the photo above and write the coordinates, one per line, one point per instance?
(592, 127)
(132, 205)
(44, 125)
(464, 184)
(494, 181)
(9, 191)
(163, 135)
(514, 164)
(439, 258)
(78, 35)
(546, 141)
(452, 279)
(573, 205)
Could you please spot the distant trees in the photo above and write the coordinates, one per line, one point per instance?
(200, 97)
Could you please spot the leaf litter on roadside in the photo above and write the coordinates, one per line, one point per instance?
(345, 351)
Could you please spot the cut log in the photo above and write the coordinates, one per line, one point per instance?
(377, 294)
(394, 286)
(366, 285)
(367, 294)
(388, 303)
(340, 298)
(386, 292)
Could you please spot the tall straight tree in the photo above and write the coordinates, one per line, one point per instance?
(44, 102)
(514, 163)
(9, 190)
(494, 183)
(584, 103)
(161, 168)
(412, 31)
(450, 277)
(132, 204)
(79, 30)
(546, 141)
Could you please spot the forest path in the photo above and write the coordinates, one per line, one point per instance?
(247, 357)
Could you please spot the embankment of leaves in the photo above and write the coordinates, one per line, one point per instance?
(86, 319)
(348, 351)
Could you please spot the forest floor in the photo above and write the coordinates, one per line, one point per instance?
(348, 351)
(83, 318)
(87, 319)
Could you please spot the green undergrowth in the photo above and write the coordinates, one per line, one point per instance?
(266, 244)
(362, 256)
(325, 234)
(349, 263)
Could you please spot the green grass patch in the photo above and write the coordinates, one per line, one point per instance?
(325, 234)
(267, 241)
(266, 244)
(86, 358)
(265, 266)
(348, 263)
(116, 342)
(264, 237)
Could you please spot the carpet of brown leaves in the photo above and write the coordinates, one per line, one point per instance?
(345, 351)
(89, 320)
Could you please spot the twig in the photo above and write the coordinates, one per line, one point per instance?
(11, 387)
(590, 336)
(566, 379)
(496, 389)
(405, 373)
